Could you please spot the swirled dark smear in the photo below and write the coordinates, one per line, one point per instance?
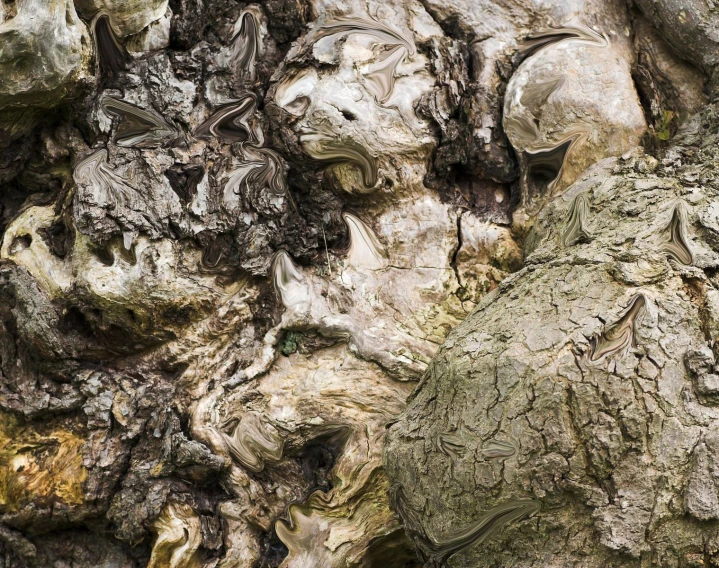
(268, 175)
(537, 40)
(246, 43)
(184, 180)
(621, 334)
(112, 55)
(543, 167)
(536, 94)
(353, 24)
(382, 75)
(677, 246)
(254, 441)
(576, 230)
(137, 127)
(343, 150)
(485, 527)
(232, 122)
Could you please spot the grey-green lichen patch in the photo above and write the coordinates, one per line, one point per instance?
(597, 360)
(289, 343)
(45, 59)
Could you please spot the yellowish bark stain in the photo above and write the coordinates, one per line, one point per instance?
(39, 467)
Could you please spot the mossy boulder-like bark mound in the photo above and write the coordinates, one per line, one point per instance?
(571, 419)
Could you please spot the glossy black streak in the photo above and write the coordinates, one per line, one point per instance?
(576, 230)
(622, 334)
(677, 246)
(486, 526)
(537, 40)
(184, 180)
(232, 123)
(112, 55)
(138, 127)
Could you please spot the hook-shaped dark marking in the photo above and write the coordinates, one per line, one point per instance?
(246, 44)
(329, 149)
(497, 449)
(486, 526)
(677, 246)
(138, 127)
(231, 123)
(112, 55)
(347, 25)
(576, 229)
(184, 181)
(544, 167)
(537, 40)
(622, 334)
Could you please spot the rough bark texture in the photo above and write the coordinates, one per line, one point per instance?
(233, 235)
(570, 420)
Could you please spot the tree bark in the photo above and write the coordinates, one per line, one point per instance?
(234, 236)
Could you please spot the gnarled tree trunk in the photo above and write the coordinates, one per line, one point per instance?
(234, 236)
